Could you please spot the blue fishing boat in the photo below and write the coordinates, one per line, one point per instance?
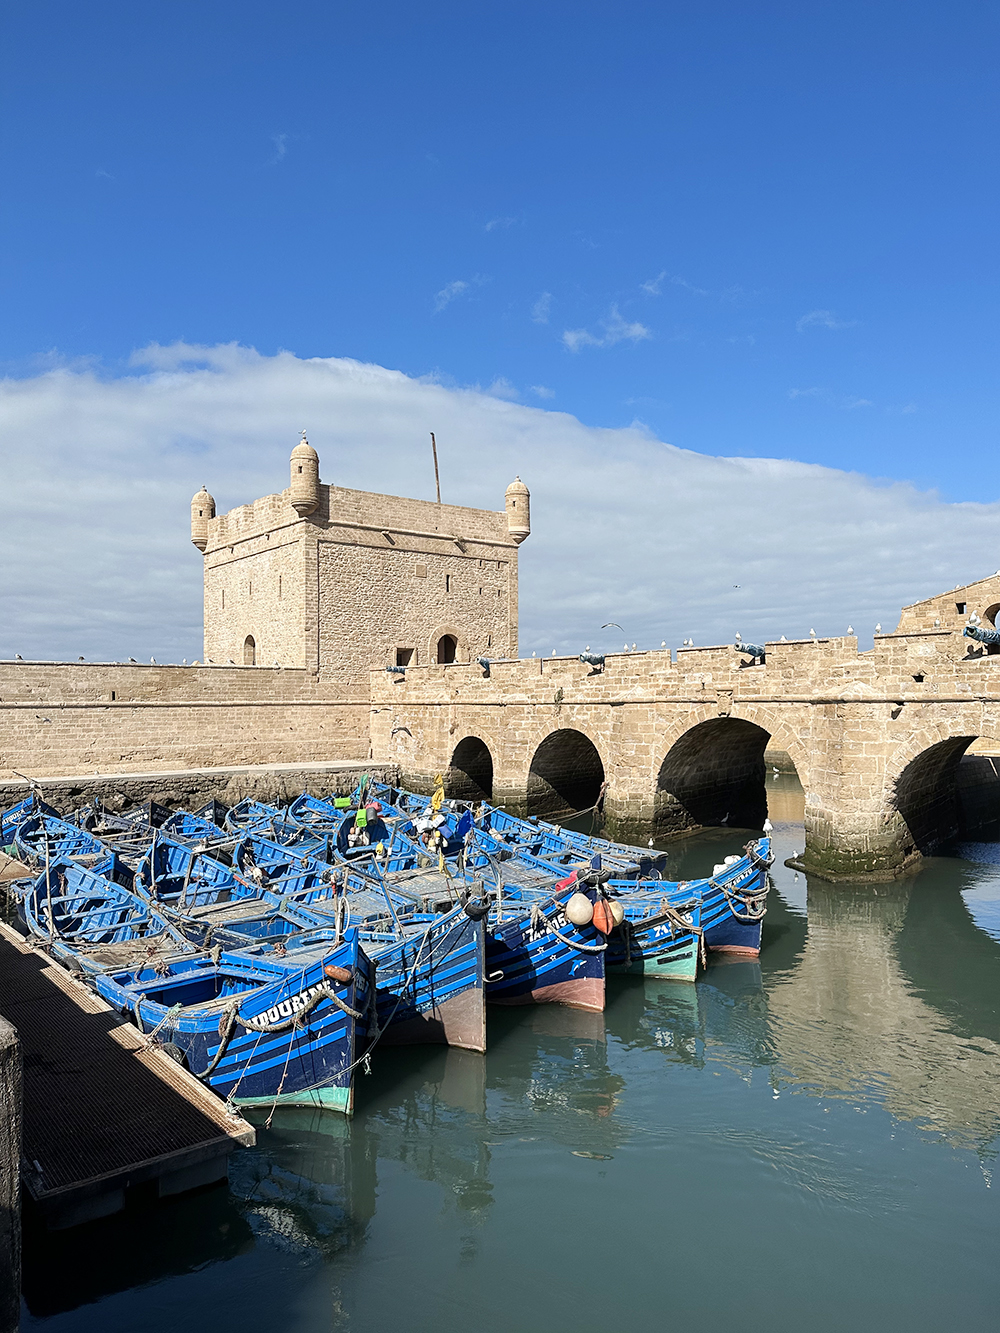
(90, 919)
(255, 1025)
(43, 836)
(258, 1030)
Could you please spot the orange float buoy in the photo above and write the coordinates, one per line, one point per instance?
(341, 975)
(603, 918)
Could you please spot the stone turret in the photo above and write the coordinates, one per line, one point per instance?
(518, 504)
(202, 509)
(305, 478)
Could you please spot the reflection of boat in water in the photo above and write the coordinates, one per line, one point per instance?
(309, 1184)
(887, 1004)
(723, 1019)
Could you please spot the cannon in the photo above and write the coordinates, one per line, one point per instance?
(752, 650)
(593, 659)
(987, 636)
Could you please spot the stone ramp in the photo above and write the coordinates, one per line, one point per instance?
(105, 1116)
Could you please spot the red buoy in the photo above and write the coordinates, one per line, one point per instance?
(603, 919)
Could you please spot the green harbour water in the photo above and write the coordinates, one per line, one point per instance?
(805, 1143)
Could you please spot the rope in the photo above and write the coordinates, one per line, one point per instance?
(541, 922)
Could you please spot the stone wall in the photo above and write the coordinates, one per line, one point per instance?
(342, 589)
(10, 1178)
(876, 738)
(82, 718)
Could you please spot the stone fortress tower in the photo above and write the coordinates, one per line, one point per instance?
(340, 581)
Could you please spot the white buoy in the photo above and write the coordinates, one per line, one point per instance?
(579, 910)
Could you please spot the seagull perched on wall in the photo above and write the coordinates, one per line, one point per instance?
(878, 629)
(18, 657)
(79, 659)
(132, 660)
(812, 634)
(850, 629)
(152, 661)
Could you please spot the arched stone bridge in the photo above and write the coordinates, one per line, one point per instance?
(876, 737)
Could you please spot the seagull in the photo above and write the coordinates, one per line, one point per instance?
(231, 662)
(613, 624)
(633, 649)
(850, 629)
(132, 660)
(79, 659)
(185, 662)
(406, 729)
(812, 634)
(783, 639)
(663, 643)
(736, 585)
(878, 629)
(153, 661)
(624, 647)
(768, 826)
(18, 657)
(39, 718)
(650, 843)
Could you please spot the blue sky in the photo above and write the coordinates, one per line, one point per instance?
(759, 229)
(602, 245)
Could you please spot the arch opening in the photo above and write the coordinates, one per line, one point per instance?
(566, 775)
(470, 773)
(926, 795)
(249, 651)
(447, 647)
(713, 775)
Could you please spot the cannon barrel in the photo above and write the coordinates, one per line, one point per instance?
(990, 636)
(592, 659)
(751, 649)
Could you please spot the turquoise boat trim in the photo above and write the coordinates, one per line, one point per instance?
(329, 1099)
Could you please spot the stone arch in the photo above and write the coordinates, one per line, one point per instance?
(249, 651)
(453, 642)
(923, 795)
(713, 774)
(469, 776)
(566, 774)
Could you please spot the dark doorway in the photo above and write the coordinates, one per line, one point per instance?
(713, 775)
(249, 651)
(566, 775)
(446, 649)
(470, 773)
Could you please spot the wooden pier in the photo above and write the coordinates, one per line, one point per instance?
(107, 1118)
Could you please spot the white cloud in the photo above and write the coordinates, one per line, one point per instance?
(616, 330)
(653, 285)
(502, 388)
(448, 294)
(454, 289)
(280, 142)
(540, 310)
(823, 319)
(542, 392)
(99, 471)
(847, 403)
(494, 223)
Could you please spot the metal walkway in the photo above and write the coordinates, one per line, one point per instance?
(104, 1115)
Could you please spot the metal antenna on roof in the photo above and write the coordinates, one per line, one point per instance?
(437, 478)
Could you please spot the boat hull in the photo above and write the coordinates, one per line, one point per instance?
(529, 965)
(430, 988)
